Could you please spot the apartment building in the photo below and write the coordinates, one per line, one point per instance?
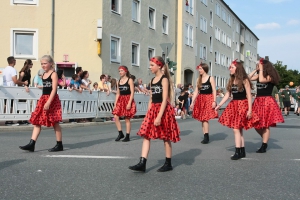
(219, 36)
(98, 35)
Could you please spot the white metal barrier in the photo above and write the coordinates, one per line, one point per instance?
(17, 104)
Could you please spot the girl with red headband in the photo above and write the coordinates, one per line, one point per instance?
(264, 104)
(124, 103)
(238, 114)
(159, 122)
(204, 100)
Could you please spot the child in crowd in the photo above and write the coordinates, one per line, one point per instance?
(75, 84)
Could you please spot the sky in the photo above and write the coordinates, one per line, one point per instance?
(277, 25)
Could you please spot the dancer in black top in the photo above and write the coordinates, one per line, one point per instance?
(159, 122)
(48, 110)
(124, 103)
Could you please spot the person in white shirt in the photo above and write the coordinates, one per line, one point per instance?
(10, 79)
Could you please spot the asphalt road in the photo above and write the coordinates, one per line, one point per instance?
(94, 166)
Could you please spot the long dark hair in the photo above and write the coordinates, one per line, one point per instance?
(83, 74)
(26, 66)
(269, 70)
(60, 72)
(205, 68)
(167, 75)
(240, 75)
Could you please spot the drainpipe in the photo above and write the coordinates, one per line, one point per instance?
(52, 28)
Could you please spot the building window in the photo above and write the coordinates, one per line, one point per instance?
(188, 35)
(203, 24)
(115, 6)
(135, 54)
(115, 49)
(165, 24)
(191, 7)
(31, 2)
(211, 19)
(218, 9)
(210, 44)
(152, 18)
(24, 43)
(151, 53)
(229, 20)
(204, 2)
(136, 10)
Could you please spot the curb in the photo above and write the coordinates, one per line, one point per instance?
(5, 129)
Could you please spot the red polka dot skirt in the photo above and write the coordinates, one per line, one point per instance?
(203, 110)
(120, 109)
(47, 117)
(235, 115)
(268, 111)
(167, 130)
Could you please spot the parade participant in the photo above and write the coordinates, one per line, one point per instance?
(124, 103)
(204, 100)
(159, 122)
(48, 110)
(264, 104)
(238, 113)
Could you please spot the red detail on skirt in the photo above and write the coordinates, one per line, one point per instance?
(268, 111)
(120, 109)
(235, 115)
(203, 110)
(168, 128)
(47, 117)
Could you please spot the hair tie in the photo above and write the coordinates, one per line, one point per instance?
(199, 65)
(261, 61)
(123, 68)
(157, 62)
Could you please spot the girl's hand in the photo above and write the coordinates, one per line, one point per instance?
(192, 106)
(46, 106)
(217, 107)
(128, 106)
(249, 115)
(214, 104)
(157, 121)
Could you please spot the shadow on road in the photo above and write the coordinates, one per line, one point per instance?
(217, 136)
(86, 144)
(184, 158)
(185, 132)
(254, 146)
(287, 126)
(9, 163)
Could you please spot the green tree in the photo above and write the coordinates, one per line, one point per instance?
(286, 75)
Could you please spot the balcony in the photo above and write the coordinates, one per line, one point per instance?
(242, 39)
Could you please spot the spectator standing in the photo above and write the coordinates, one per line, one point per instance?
(286, 97)
(275, 94)
(113, 85)
(25, 75)
(280, 99)
(62, 82)
(10, 79)
(102, 86)
(37, 80)
(95, 87)
(85, 81)
(297, 98)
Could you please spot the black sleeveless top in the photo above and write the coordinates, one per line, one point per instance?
(264, 89)
(205, 87)
(157, 90)
(27, 76)
(125, 88)
(47, 85)
(236, 94)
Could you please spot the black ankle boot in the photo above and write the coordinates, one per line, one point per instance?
(126, 139)
(263, 148)
(120, 136)
(141, 166)
(206, 139)
(29, 147)
(237, 154)
(167, 166)
(243, 152)
(57, 147)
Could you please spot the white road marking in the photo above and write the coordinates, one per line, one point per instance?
(296, 159)
(83, 156)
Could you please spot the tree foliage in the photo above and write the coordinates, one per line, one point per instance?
(287, 75)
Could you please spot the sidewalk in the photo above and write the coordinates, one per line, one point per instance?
(5, 129)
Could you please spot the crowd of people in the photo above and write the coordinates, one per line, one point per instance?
(160, 121)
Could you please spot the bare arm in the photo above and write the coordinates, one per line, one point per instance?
(117, 95)
(248, 93)
(53, 92)
(225, 98)
(213, 85)
(130, 82)
(18, 82)
(194, 96)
